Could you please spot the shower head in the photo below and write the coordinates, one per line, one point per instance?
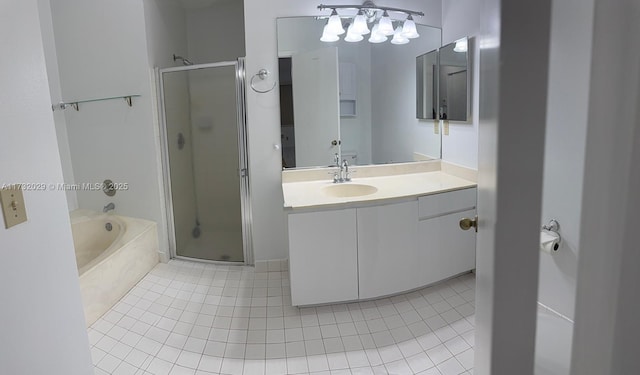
(184, 60)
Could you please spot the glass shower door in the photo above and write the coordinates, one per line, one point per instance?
(206, 168)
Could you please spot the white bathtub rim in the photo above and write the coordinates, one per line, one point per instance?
(554, 333)
(130, 230)
(554, 312)
(117, 242)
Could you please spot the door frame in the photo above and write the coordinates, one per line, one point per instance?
(510, 169)
(243, 167)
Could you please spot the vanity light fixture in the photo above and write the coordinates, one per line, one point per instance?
(385, 27)
(360, 23)
(334, 25)
(376, 36)
(398, 37)
(409, 28)
(369, 13)
(352, 35)
(327, 36)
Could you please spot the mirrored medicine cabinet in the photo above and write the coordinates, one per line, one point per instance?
(442, 83)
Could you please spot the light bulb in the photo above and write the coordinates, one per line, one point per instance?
(335, 24)
(398, 38)
(461, 45)
(352, 36)
(385, 27)
(409, 29)
(360, 24)
(327, 36)
(376, 37)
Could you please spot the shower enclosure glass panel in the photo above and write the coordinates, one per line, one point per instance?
(206, 167)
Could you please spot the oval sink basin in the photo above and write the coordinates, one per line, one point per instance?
(348, 190)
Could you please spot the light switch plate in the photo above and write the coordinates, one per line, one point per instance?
(13, 207)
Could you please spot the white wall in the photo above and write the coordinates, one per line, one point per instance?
(217, 33)
(269, 234)
(567, 106)
(166, 32)
(461, 18)
(102, 52)
(42, 329)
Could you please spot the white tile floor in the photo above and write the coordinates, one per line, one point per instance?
(197, 318)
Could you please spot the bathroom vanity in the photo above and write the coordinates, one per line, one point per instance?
(377, 235)
(395, 226)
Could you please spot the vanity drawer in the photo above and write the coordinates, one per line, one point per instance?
(444, 203)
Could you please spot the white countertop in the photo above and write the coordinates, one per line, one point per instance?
(309, 194)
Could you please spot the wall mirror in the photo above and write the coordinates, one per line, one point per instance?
(427, 86)
(356, 100)
(447, 97)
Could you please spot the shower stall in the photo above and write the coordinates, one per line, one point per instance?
(204, 139)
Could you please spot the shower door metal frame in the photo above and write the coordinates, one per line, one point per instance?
(243, 154)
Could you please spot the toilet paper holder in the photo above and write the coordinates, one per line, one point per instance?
(553, 226)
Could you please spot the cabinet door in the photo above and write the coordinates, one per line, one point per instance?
(387, 249)
(323, 257)
(445, 249)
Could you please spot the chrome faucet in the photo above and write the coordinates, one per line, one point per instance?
(343, 174)
(344, 171)
(109, 207)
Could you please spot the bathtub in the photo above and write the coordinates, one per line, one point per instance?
(553, 343)
(112, 254)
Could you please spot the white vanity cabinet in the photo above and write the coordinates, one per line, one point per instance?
(323, 258)
(444, 249)
(381, 249)
(387, 248)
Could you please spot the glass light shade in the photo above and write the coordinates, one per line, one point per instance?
(409, 29)
(376, 37)
(327, 36)
(398, 38)
(461, 46)
(385, 27)
(360, 24)
(334, 25)
(352, 36)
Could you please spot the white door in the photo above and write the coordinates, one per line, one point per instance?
(510, 164)
(316, 113)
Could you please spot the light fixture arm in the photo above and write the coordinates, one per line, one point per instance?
(369, 5)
